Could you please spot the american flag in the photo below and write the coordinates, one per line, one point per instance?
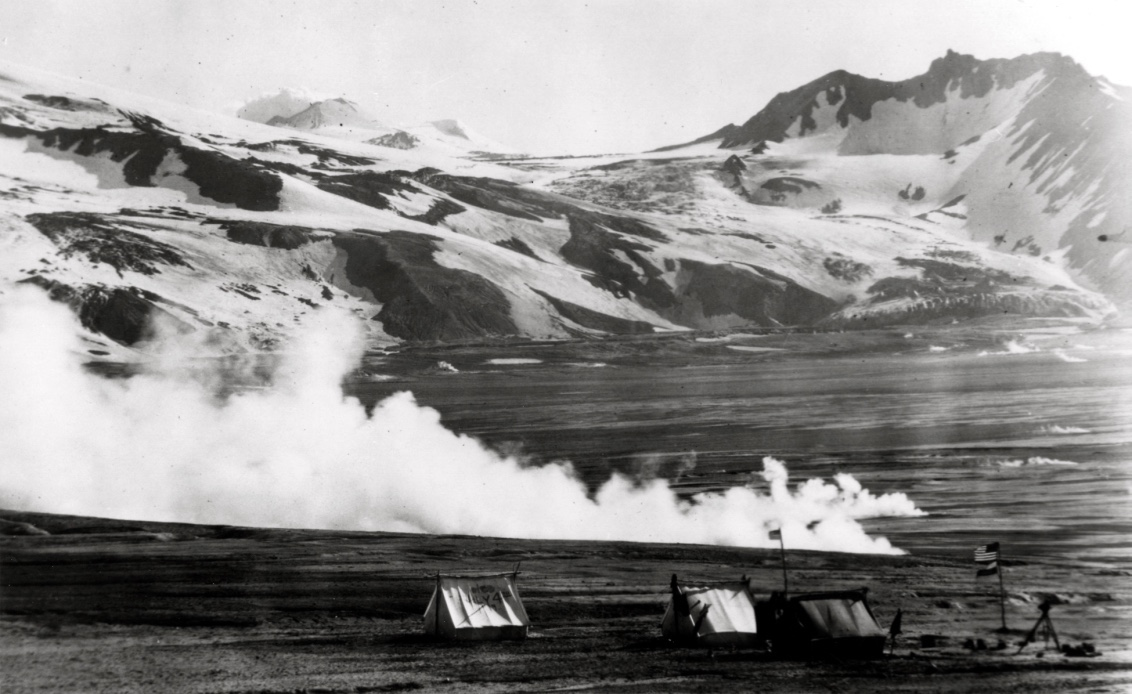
(986, 556)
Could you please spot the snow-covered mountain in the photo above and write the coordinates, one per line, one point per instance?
(136, 212)
(282, 104)
(342, 118)
(1032, 156)
(332, 113)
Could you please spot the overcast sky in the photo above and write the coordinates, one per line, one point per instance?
(546, 76)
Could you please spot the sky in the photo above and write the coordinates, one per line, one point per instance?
(544, 76)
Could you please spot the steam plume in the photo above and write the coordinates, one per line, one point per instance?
(164, 446)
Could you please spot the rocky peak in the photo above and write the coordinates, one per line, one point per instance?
(855, 95)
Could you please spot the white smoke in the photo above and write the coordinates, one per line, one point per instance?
(165, 446)
(672, 466)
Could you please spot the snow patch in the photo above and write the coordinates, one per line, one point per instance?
(1036, 461)
(901, 127)
(1068, 358)
(728, 337)
(1059, 430)
(1013, 347)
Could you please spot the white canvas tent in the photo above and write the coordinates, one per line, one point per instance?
(711, 614)
(476, 608)
(837, 623)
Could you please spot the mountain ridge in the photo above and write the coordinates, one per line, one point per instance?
(1060, 135)
(232, 231)
(340, 117)
(953, 70)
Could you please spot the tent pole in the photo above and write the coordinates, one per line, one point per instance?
(436, 611)
(785, 582)
(1001, 592)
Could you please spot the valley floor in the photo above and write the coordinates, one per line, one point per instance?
(113, 606)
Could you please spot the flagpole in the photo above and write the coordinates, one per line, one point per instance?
(785, 582)
(1001, 591)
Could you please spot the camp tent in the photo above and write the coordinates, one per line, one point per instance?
(710, 614)
(476, 608)
(837, 623)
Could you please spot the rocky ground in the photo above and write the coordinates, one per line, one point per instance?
(99, 605)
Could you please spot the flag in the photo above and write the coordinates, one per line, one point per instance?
(895, 627)
(776, 534)
(986, 553)
(986, 556)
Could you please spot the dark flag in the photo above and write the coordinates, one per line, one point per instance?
(986, 556)
(895, 629)
(776, 534)
(679, 600)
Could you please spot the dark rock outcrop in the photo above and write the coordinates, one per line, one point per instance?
(397, 140)
(371, 188)
(422, 300)
(734, 165)
(926, 310)
(754, 294)
(123, 314)
(282, 236)
(440, 210)
(142, 150)
(940, 278)
(846, 269)
(486, 193)
(519, 246)
(944, 291)
(593, 247)
(328, 159)
(67, 103)
(98, 239)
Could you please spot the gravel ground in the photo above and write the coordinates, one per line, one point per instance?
(118, 606)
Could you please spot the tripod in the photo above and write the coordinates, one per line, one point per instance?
(1044, 627)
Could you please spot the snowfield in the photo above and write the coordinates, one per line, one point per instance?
(868, 204)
